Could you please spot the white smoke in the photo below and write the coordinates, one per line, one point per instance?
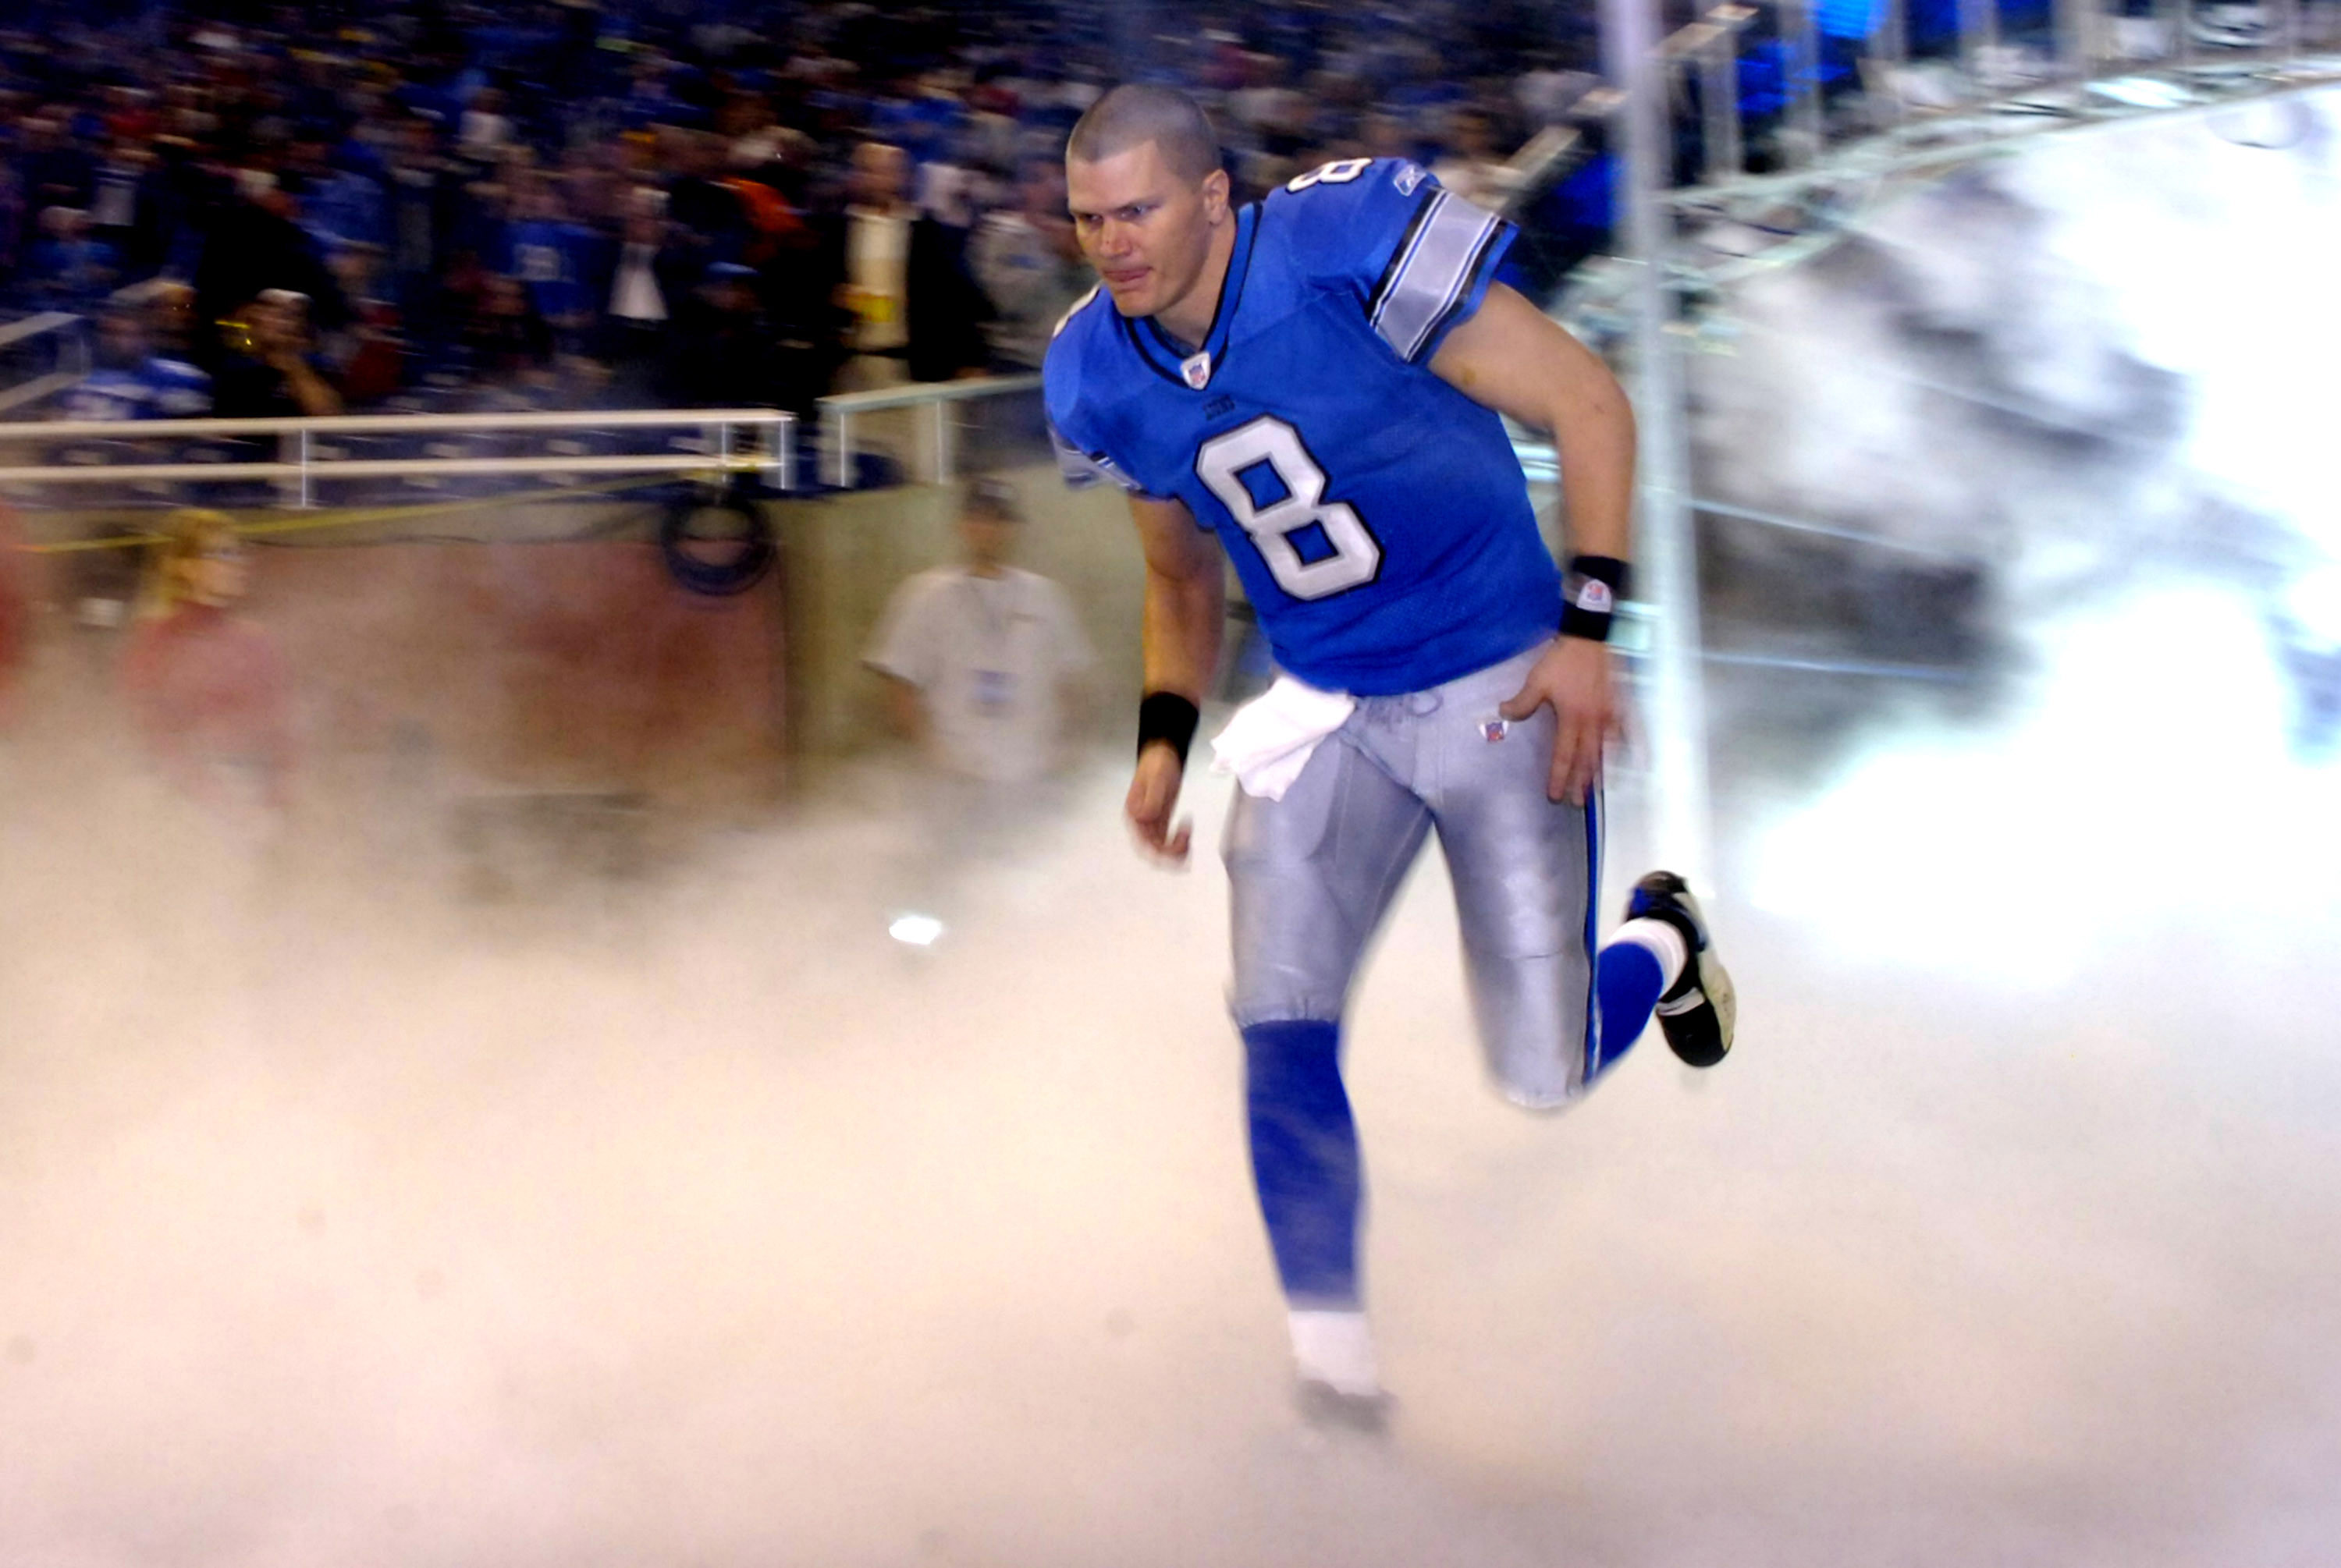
(2061, 363)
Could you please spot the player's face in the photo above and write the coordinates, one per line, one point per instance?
(1145, 231)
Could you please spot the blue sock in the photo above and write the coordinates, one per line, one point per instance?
(1627, 980)
(1304, 1157)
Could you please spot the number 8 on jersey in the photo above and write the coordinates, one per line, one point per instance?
(1266, 455)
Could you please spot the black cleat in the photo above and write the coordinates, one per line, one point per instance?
(1701, 1010)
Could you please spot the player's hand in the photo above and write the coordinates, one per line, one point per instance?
(1573, 677)
(1153, 795)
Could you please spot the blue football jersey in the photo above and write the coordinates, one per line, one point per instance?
(1378, 517)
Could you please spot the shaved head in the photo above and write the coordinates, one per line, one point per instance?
(1131, 116)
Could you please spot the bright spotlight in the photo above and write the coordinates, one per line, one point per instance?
(918, 931)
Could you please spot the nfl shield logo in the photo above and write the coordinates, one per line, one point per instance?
(1496, 729)
(1198, 371)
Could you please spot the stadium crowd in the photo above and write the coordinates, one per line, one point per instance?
(278, 210)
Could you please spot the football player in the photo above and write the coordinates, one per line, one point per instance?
(1319, 379)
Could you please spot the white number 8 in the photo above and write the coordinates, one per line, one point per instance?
(1340, 172)
(1356, 558)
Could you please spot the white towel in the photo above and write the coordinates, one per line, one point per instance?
(1272, 737)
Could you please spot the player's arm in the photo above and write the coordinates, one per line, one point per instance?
(1511, 357)
(1186, 604)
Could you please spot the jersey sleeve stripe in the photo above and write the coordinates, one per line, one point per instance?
(1434, 270)
(1403, 254)
(1465, 282)
(1082, 469)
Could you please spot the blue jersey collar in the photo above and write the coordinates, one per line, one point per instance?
(1163, 353)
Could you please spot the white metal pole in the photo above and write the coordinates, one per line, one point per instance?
(1719, 89)
(1801, 47)
(292, 454)
(1665, 549)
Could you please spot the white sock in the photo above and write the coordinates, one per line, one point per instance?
(1665, 944)
(1336, 1349)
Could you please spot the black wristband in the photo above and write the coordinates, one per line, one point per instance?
(1591, 593)
(1166, 716)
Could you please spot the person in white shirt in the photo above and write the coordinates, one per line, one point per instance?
(984, 666)
(635, 313)
(982, 660)
(877, 259)
(636, 296)
(485, 127)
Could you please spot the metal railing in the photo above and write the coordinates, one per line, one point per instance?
(1776, 184)
(732, 440)
(840, 411)
(303, 460)
(1974, 89)
(67, 336)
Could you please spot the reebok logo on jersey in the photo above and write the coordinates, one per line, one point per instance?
(1408, 177)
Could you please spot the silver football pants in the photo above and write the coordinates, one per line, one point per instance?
(1313, 874)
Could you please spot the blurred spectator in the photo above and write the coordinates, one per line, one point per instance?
(554, 257)
(420, 192)
(1384, 137)
(944, 313)
(644, 276)
(344, 204)
(508, 338)
(13, 222)
(125, 209)
(983, 660)
(1547, 93)
(722, 353)
(70, 269)
(57, 171)
(484, 129)
(872, 165)
(800, 277)
(171, 320)
(1471, 166)
(1029, 266)
(129, 380)
(256, 247)
(875, 294)
(706, 216)
(264, 370)
(368, 354)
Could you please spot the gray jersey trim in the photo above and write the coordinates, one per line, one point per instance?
(1082, 469)
(1442, 256)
